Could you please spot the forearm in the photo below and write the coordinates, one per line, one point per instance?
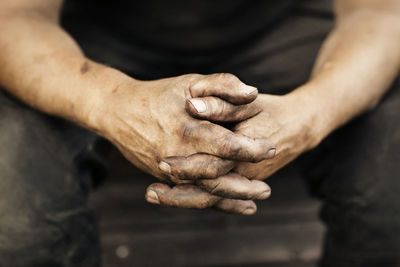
(44, 67)
(355, 67)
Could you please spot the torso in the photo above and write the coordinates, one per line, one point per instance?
(173, 30)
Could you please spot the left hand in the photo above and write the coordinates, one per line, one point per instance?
(284, 120)
(287, 121)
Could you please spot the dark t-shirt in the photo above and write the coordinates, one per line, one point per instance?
(170, 32)
(179, 25)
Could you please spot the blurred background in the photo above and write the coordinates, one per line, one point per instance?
(285, 231)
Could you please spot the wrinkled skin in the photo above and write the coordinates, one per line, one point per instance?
(44, 67)
(291, 134)
(148, 121)
(275, 122)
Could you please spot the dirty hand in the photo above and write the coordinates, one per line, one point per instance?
(284, 120)
(288, 122)
(147, 121)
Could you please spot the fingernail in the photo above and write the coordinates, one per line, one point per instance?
(165, 167)
(247, 89)
(249, 211)
(199, 105)
(152, 197)
(264, 195)
(271, 153)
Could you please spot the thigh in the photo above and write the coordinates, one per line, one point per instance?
(44, 181)
(358, 180)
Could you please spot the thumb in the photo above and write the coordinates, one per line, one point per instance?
(225, 86)
(218, 110)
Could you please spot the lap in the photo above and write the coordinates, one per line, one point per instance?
(45, 219)
(358, 179)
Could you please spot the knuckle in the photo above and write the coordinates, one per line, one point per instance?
(229, 80)
(258, 151)
(177, 175)
(230, 147)
(218, 108)
(225, 145)
(212, 104)
(229, 77)
(224, 110)
(192, 77)
(215, 188)
(187, 129)
(196, 83)
(214, 167)
(211, 172)
(270, 145)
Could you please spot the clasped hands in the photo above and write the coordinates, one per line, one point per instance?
(210, 139)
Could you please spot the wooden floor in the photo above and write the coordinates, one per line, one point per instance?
(285, 232)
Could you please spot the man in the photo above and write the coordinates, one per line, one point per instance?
(210, 134)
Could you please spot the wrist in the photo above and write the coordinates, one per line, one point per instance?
(312, 114)
(99, 102)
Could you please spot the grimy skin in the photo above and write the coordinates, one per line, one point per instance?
(147, 120)
(356, 65)
(150, 121)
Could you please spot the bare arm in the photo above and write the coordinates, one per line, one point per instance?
(43, 66)
(356, 66)
(357, 63)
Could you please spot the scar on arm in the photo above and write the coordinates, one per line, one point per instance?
(85, 67)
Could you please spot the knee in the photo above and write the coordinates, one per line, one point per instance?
(32, 237)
